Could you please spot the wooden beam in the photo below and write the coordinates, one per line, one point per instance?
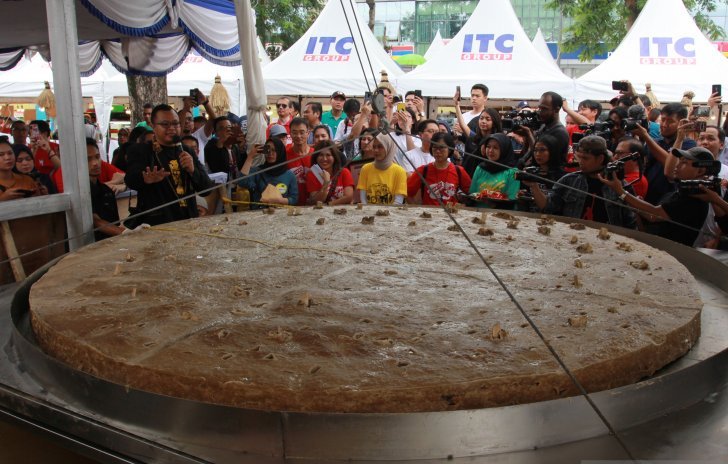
(12, 251)
(63, 39)
(35, 206)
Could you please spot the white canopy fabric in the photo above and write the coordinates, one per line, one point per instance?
(326, 58)
(492, 49)
(664, 48)
(436, 45)
(539, 43)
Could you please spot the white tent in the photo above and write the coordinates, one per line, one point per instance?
(436, 45)
(492, 49)
(327, 57)
(664, 48)
(539, 43)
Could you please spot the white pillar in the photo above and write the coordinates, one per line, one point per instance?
(63, 39)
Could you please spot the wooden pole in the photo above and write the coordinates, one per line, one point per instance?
(9, 243)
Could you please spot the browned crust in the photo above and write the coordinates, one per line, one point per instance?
(652, 343)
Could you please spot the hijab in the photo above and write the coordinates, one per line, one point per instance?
(390, 147)
(507, 158)
(280, 163)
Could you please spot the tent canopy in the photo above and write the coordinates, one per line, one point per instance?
(492, 49)
(436, 45)
(327, 57)
(539, 43)
(664, 48)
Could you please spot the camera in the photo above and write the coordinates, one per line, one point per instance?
(528, 174)
(692, 187)
(617, 167)
(515, 119)
(631, 124)
(600, 129)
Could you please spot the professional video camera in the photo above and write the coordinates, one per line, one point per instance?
(514, 119)
(600, 129)
(528, 174)
(692, 187)
(617, 166)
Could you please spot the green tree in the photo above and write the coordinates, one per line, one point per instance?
(283, 22)
(600, 25)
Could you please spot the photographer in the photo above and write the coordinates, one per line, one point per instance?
(548, 112)
(625, 147)
(581, 194)
(683, 207)
(545, 165)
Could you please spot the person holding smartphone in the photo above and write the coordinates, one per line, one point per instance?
(327, 181)
(45, 153)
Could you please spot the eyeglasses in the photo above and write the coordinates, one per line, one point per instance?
(167, 124)
(281, 105)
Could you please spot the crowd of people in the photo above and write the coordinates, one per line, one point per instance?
(637, 165)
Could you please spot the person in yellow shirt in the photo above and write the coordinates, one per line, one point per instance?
(382, 182)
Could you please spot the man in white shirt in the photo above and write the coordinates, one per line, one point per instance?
(478, 98)
(419, 156)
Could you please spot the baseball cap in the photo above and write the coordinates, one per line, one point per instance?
(522, 104)
(701, 158)
(338, 94)
(277, 130)
(694, 154)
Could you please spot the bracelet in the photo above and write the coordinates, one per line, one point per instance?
(623, 196)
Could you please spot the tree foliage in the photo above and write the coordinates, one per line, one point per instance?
(600, 25)
(284, 21)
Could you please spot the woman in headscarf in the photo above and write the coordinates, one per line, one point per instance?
(274, 172)
(25, 164)
(382, 181)
(494, 184)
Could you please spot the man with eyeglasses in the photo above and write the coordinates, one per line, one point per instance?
(163, 172)
(333, 117)
(298, 156)
(19, 132)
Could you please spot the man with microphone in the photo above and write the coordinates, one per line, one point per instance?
(162, 172)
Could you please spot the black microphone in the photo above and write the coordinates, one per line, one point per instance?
(177, 142)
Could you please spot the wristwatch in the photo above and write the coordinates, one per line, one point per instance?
(623, 196)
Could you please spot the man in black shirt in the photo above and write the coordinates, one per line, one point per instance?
(103, 200)
(549, 107)
(682, 209)
(225, 152)
(162, 172)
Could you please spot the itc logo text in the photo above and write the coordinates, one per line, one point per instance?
(488, 47)
(667, 50)
(328, 49)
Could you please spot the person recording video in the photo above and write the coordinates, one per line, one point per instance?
(581, 194)
(685, 206)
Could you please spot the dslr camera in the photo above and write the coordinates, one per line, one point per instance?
(631, 124)
(617, 166)
(514, 119)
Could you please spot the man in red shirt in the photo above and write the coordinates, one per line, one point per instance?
(110, 175)
(297, 155)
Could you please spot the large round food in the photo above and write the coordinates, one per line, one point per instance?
(366, 310)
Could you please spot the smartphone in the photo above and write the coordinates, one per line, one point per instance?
(401, 106)
(367, 97)
(457, 89)
(418, 93)
(700, 126)
(716, 89)
(193, 93)
(619, 85)
(34, 132)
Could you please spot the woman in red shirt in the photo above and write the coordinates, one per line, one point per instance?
(327, 181)
(444, 178)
